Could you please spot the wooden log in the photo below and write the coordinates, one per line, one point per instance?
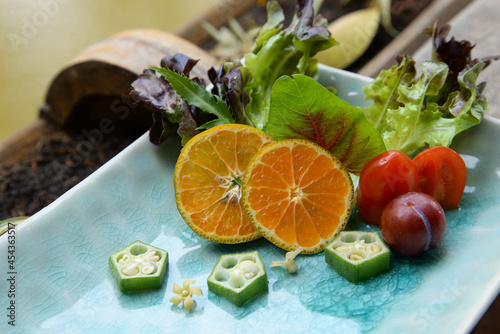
(107, 68)
(17, 147)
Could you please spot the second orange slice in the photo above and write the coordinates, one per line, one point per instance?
(207, 181)
(297, 194)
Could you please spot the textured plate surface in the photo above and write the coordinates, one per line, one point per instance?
(63, 285)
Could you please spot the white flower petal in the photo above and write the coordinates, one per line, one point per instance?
(188, 303)
(187, 283)
(177, 289)
(176, 299)
(196, 291)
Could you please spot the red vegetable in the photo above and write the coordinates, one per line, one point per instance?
(383, 178)
(413, 223)
(442, 175)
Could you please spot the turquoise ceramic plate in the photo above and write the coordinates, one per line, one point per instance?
(62, 283)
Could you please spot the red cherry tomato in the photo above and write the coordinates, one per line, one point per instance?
(442, 175)
(383, 178)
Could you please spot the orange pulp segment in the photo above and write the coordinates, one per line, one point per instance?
(207, 180)
(297, 194)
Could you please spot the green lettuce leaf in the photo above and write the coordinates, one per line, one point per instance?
(279, 51)
(302, 108)
(409, 111)
(440, 124)
(412, 113)
(241, 89)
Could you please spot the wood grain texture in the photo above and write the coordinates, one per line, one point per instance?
(411, 38)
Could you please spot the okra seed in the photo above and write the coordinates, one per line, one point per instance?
(355, 257)
(372, 248)
(147, 269)
(124, 260)
(130, 270)
(152, 256)
(342, 249)
(246, 263)
(248, 266)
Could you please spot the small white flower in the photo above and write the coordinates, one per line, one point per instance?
(185, 294)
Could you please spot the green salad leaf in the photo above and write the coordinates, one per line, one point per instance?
(302, 108)
(282, 51)
(273, 89)
(415, 111)
(399, 98)
(241, 90)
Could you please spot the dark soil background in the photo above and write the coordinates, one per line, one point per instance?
(56, 163)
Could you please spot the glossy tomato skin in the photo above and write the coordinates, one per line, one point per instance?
(383, 178)
(413, 223)
(442, 174)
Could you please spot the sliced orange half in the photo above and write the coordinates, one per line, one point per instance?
(207, 180)
(297, 194)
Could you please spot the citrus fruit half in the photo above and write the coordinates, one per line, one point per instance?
(207, 181)
(297, 194)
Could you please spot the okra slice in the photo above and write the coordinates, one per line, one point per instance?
(238, 277)
(358, 255)
(139, 266)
